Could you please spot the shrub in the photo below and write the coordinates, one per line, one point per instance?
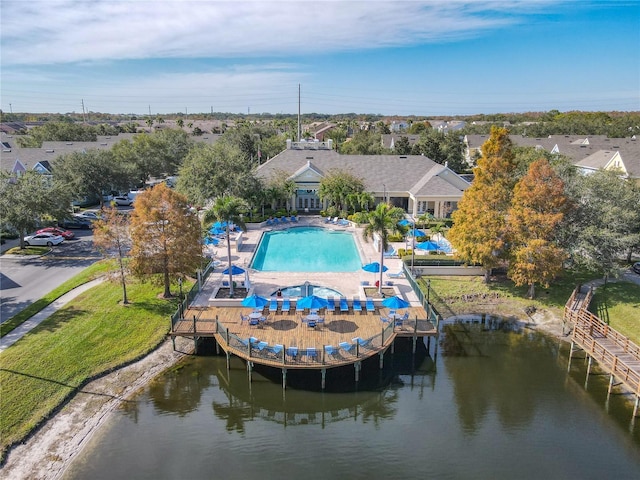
(396, 237)
(359, 217)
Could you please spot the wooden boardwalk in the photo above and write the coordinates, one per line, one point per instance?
(614, 352)
(285, 340)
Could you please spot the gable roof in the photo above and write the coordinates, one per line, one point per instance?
(400, 174)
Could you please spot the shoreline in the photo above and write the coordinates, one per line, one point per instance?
(48, 452)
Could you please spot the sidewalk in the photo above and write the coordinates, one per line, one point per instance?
(16, 334)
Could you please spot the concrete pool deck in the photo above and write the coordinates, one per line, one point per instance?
(348, 283)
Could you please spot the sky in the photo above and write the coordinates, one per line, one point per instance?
(424, 58)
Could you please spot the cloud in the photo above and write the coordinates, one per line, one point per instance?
(69, 31)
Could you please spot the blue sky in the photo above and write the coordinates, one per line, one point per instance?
(381, 57)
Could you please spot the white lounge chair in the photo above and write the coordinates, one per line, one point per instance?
(399, 274)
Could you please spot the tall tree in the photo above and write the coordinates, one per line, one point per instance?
(605, 221)
(90, 173)
(229, 210)
(166, 236)
(26, 199)
(337, 185)
(479, 228)
(382, 222)
(111, 237)
(211, 171)
(536, 211)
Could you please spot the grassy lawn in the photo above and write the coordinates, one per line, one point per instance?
(619, 305)
(92, 334)
(96, 270)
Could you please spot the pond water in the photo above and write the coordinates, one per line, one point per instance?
(493, 403)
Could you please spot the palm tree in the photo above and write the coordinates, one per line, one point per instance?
(227, 209)
(382, 221)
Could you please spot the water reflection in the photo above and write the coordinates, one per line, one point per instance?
(496, 402)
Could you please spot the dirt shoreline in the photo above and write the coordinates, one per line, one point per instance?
(48, 452)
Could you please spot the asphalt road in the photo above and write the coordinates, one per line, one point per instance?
(23, 280)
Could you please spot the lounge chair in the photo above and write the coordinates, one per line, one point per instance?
(273, 305)
(344, 222)
(274, 351)
(286, 305)
(276, 221)
(244, 318)
(262, 345)
(312, 353)
(269, 221)
(254, 322)
(391, 252)
(399, 274)
(330, 350)
(370, 306)
(357, 305)
(364, 283)
(328, 220)
(331, 305)
(344, 305)
(360, 341)
(292, 352)
(294, 219)
(346, 346)
(284, 219)
(384, 319)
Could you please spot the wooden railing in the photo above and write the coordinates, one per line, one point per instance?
(613, 351)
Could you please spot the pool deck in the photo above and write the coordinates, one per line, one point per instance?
(348, 283)
(285, 340)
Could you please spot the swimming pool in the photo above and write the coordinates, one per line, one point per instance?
(307, 289)
(307, 249)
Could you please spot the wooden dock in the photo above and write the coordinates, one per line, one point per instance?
(285, 340)
(614, 352)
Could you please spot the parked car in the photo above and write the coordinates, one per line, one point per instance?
(66, 234)
(92, 216)
(123, 200)
(75, 222)
(636, 267)
(43, 240)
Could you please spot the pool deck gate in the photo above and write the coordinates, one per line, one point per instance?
(286, 341)
(615, 353)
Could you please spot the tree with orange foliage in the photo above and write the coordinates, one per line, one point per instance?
(479, 229)
(536, 211)
(166, 236)
(111, 237)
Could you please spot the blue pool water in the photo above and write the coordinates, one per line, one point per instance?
(307, 249)
(304, 290)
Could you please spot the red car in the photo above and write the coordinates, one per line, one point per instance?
(66, 234)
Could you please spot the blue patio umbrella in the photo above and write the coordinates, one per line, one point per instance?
(428, 245)
(404, 222)
(395, 302)
(234, 270)
(211, 241)
(216, 231)
(414, 232)
(219, 224)
(255, 301)
(374, 267)
(311, 302)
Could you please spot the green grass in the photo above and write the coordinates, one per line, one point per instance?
(93, 334)
(94, 271)
(618, 304)
(28, 251)
(447, 295)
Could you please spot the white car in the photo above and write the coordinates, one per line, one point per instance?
(93, 216)
(122, 201)
(43, 240)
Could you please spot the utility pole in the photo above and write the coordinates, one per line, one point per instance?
(299, 126)
(84, 119)
(10, 109)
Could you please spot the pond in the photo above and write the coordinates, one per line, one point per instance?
(494, 403)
